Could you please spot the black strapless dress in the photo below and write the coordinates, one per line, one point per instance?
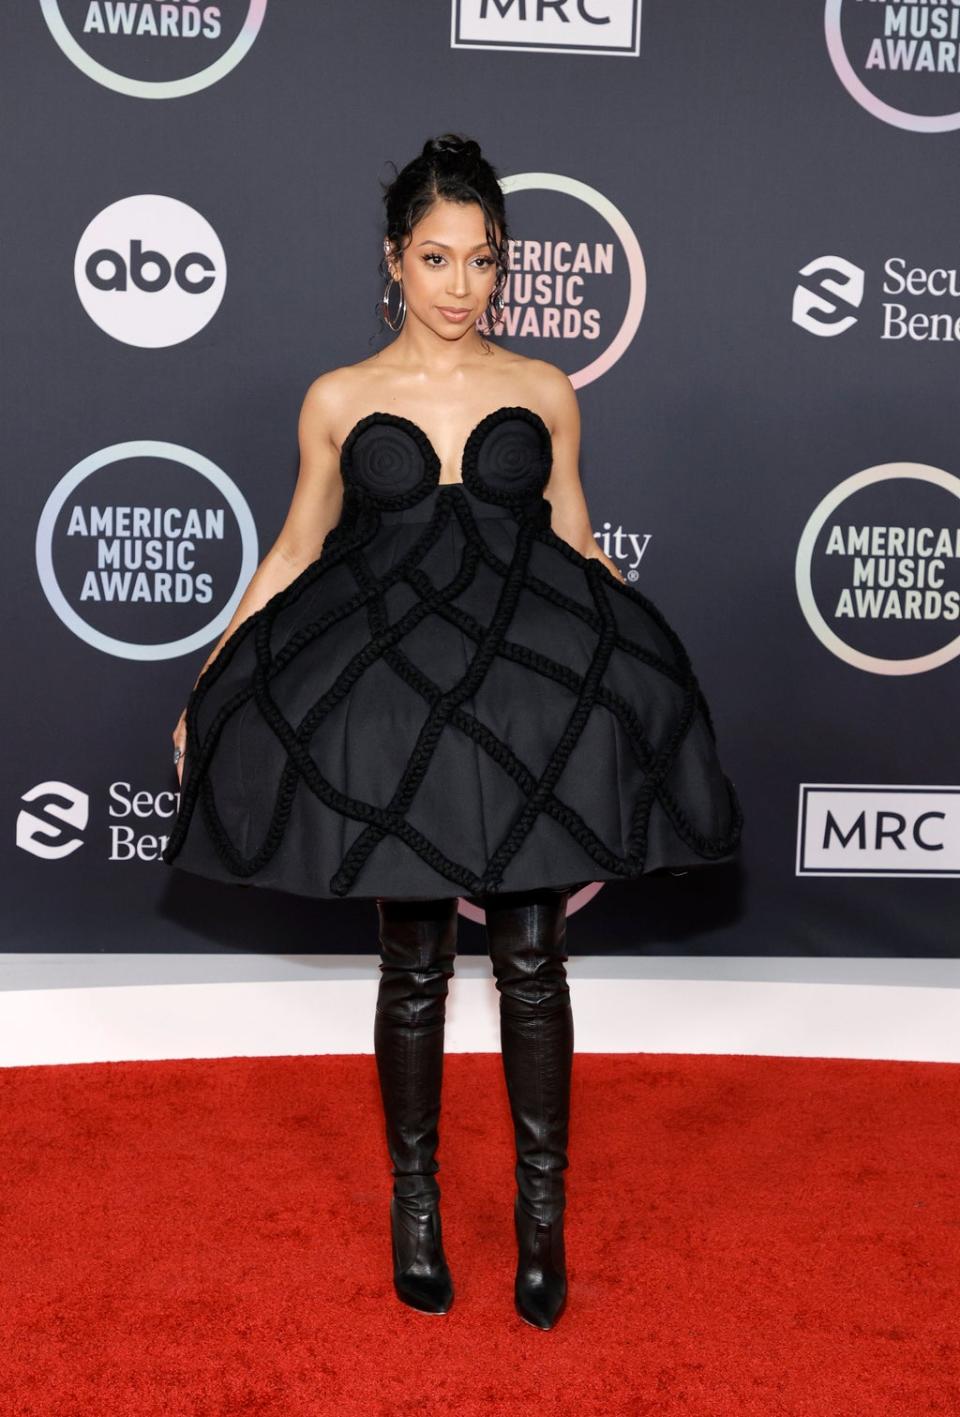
(450, 700)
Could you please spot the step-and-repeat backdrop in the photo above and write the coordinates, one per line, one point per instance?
(734, 227)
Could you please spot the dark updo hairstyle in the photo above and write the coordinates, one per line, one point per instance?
(450, 167)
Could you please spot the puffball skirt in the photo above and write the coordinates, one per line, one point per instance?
(451, 700)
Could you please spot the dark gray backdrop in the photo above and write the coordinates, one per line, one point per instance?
(737, 156)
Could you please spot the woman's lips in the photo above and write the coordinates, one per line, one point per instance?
(453, 314)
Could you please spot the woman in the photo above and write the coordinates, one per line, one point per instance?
(437, 685)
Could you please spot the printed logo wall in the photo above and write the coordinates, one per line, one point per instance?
(219, 262)
(876, 565)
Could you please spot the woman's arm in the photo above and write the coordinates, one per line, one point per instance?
(569, 515)
(314, 510)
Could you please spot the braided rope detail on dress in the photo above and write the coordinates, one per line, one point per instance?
(440, 710)
(345, 546)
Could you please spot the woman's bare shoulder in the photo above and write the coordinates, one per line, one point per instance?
(335, 383)
(333, 394)
(547, 376)
(346, 380)
(551, 391)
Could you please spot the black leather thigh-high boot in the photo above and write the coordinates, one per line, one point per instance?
(417, 940)
(527, 939)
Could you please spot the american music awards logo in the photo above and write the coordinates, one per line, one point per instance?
(876, 569)
(196, 45)
(144, 550)
(577, 285)
(899, 61)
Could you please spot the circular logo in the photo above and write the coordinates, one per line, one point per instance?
(884, 577)
(109, 31)
(909, 55)
(150, 271)
(136, 553)
(554, 288)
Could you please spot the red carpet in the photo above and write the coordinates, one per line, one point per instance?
(745, 1236)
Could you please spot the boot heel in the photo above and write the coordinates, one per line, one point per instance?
(421, 1276)
(540, 1290)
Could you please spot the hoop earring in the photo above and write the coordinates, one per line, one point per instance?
(385, 305)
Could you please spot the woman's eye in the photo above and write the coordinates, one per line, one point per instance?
(433, 256)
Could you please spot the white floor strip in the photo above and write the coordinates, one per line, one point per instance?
(264, 1017)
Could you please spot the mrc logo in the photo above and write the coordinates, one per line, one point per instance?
(874, 829)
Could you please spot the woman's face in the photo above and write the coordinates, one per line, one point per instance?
(448, 265)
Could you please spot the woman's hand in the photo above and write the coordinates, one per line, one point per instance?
(611, 566)
(180, 741)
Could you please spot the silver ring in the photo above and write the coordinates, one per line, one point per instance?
(178, 754)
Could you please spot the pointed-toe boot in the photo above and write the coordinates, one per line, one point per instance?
(527, 937)
(418, 948)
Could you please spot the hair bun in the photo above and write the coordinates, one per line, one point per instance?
(453, 145)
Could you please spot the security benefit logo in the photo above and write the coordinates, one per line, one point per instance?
(55, 821)
(864, 829)
(144, 550)
(52, 823)
(899, 59)
(903, 301)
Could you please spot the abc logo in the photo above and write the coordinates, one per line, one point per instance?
(150, 271)
(107, 270)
